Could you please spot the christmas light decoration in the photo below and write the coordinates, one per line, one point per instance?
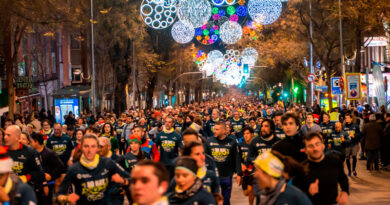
(182, 32)
(264, 11)
(159, 14)
(196, 12)
(249, 56)
(230, 32)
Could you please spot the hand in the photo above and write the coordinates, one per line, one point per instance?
(239, 180)
(313, 188)
(70, 163)
(117, 179)
(3, 195)
(46, 190)
(243, 168)
(329, 146)
(73, 198)
(47, 177)
(342, 198)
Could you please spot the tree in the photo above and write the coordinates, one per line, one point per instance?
(18, 16)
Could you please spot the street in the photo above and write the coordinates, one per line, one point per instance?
(366, 188)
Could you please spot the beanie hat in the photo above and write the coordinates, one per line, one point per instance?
(270, 164)
(6, 162)
(187, 163)
(134, 138)
(157, 113)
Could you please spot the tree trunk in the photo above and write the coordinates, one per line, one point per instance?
(150, 91)
(357, 67)
(9, 65)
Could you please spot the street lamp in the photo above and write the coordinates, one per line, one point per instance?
(93, 83)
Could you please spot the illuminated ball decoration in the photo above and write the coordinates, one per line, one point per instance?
(249, 56)
(200, 58)
(159, 14)
(230, 32)
(223, 2)
(264, 11)
(215, 56)
(196, 12)
(207, 34)
(182, 32)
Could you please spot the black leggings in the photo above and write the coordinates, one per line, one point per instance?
(348, 162)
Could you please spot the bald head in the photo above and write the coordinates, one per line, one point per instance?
(12, 136)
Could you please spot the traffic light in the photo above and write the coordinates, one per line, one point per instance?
(296, 90)
(245, 69)
(285, 95)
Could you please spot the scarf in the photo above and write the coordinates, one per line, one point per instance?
(90, 164)
(201, 173)
(270, 196)
(198, 185)
(8, 185)
(168, 131)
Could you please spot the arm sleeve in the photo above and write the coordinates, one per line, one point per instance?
(57, 166)
(215, 184)
(37, 174)
(155, 153)
(118, 169)
(66, 183)
(237, 159)
(251, 152)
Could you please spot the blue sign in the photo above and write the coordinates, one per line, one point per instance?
(336, 90)
(64, 106)
(318, 64)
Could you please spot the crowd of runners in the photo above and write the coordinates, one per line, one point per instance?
(192, 154)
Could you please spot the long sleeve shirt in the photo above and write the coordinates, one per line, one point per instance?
(226, 155)
(169, 144)
(63, 146)
(91, 185)
(330, 173)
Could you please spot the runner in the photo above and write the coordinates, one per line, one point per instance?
(189, 188)
(246, 166)
(12, 190)
(91, 176)
(352, 148)
(338, 140)
(60, 143)
(225, 153)
(149, 182)
(325, 173)
(268, 173)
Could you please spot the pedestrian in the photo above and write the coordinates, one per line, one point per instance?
(189, 188)
(107, 130)
(372, 132)
(246, 165)
(211, 123)
(338, 141)
(269, 175)
(325, 173)
(147, 145)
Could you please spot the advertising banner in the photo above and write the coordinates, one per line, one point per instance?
(64, 106)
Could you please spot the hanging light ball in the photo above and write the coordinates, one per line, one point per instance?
(196, 12)
(264, 11)
(182, 32)
(230, 32)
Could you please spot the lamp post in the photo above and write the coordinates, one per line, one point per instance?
(93, 82)
(311, 59)
(341, 49)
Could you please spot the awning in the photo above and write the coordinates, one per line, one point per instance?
(72, 91)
